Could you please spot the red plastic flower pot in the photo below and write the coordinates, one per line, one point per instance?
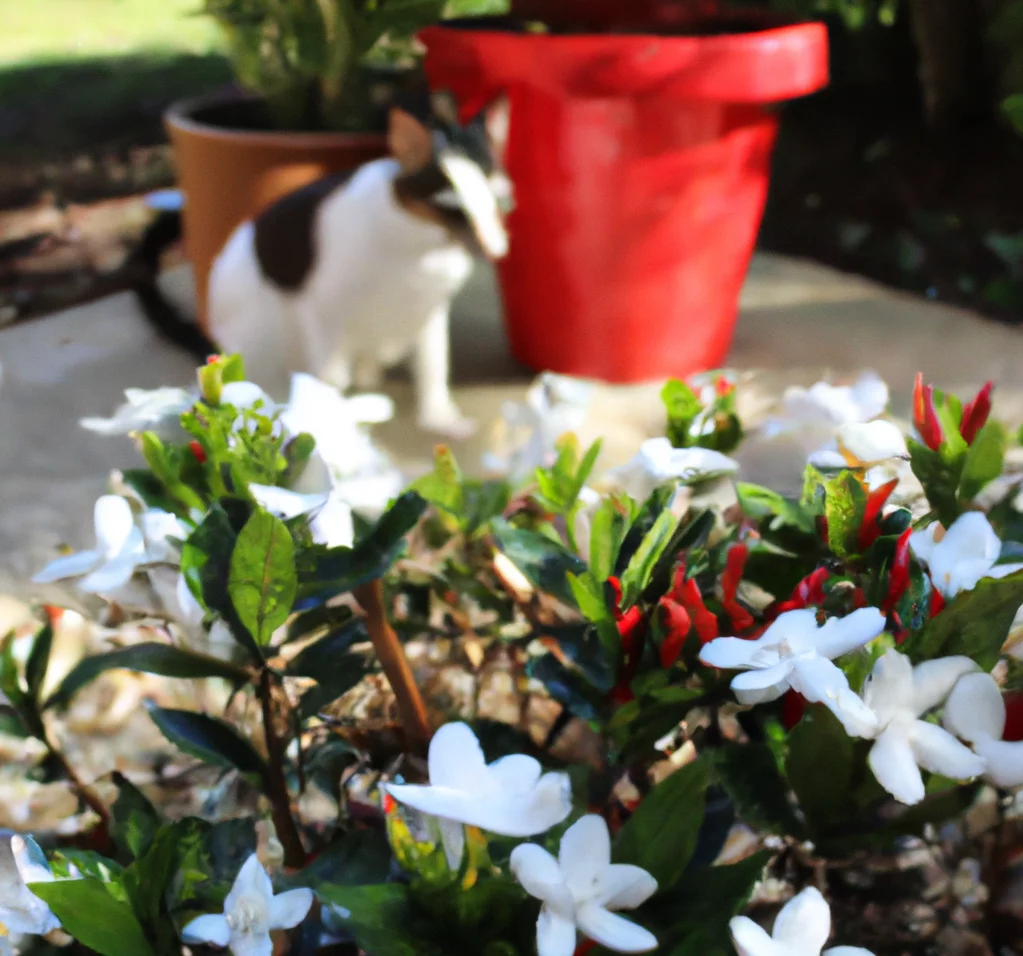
(640, 163)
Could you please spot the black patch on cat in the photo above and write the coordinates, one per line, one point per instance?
(285, 232)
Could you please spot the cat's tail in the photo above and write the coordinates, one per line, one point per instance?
(165, 317)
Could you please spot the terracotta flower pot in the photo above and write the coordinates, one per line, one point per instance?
(229, 172)
(640, 144)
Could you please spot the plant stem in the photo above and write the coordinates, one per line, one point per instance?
(276, 786)
(85, 793)
(392, 658)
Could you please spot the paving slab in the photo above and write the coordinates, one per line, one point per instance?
(798, 321)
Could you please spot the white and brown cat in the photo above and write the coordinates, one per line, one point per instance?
(356, 272)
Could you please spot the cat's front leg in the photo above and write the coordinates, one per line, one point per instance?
(436, 408)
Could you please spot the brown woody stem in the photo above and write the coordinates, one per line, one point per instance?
(392, 658)
(295, 855)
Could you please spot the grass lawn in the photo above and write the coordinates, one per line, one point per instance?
(48, 30)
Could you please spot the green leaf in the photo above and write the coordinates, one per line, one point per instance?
(975, 623)
(761, 503)
(820, 767)
(682, 406)
(984, 460)
(442, 487)
(208, 739)
(750, 775)
(545, 563)
(38, 661)
(263, 581)
(939, 481)
(845, 503)
(134, 820)
(661, 835)
(148, 657)
(608, 528)
(357, 858)
(640, 568)
(92, 916)
(379, 917)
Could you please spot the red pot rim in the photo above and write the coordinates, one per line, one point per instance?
(758, 66)
(180, 116)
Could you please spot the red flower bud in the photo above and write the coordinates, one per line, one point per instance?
(723, 387)
(937, 603)
(925, 416)
(676, 626)
(687, 593)
(809, 591)
(898, 574)
(975, 414)
(870, 528)
(212, 359)
(1013, 715)
(632, 627)
(735, 563)
(793, 706)
(198, 452)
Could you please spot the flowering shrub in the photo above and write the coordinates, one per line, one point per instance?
(826, 671)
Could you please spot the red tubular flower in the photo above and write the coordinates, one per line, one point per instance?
(793, 705)
(198, 452)
(586, 946)
(735, 563)
(870, 528)
(976, 412)
(809, 591)
(723, 387)
(53, 614)
(925, 416)
(677, 624)
(687, 593)
(898, 575)
(1013, 715)
(937, 603)
(632, 628)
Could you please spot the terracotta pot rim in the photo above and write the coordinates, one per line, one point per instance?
(180, 116)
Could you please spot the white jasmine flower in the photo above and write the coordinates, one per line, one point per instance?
(800, 929)
(244, 395)
(966, 553)
(511, 796)
(330, 518)
(21, 911)
(251, 911)
(528, 431)
(795, 653)
(863, 444)
(143, 410)
(158, 527)
(581, 888)
(589, 500)
(834, 405)
(120, 548)
(658, 463)
(899, 694)
(361, 473)
(975, 711)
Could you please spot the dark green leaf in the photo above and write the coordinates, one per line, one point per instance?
(661, 835)
(324, 616)
(761, 503)
(134, 820)
(545, 563)
(750, 775)
(939, 481)
(316, 660)
(379, 917)
(564, 685)
(208, 739)
(358, 858)
(820, 767)
(38, 661)
(262, 581)
(149, 657)
(608, 528)
(92, 916)
(641, 566)
(984, 460)
(975, 624)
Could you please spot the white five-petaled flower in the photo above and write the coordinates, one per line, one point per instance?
(529, 431)
(975, 711)
(511, 796)
(900, 694)
(251, 911)
(836, 405)
(121, 547)
(330, 519)
(966, 553)
(581, 888)
(800, 929)
(21, 911)
(658, 463)
(144, 410)
(795, 653)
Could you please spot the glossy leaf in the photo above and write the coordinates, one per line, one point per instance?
(545, 563)
(262, 580)
(38, 661)
(133, 819)
(984, 460)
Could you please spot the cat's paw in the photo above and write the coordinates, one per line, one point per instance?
(449, 422)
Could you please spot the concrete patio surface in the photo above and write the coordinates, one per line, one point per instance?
(798, 322)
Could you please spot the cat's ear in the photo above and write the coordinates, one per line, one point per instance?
(496, 119)
(410, 141)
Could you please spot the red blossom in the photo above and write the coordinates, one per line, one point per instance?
(975, 413)
(723, 387)
(735, 563)
(687, 593)
(809, 591)
(898, 575)
(53, 614)
(1013, 716)
(632, 627)
(925, 415)
(870, 528)
(937, 603)
(793, 705)
(213, 359)
(676, 629)
(586, 946)
(198, 452)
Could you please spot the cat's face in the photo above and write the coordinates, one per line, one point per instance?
(453, 175)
